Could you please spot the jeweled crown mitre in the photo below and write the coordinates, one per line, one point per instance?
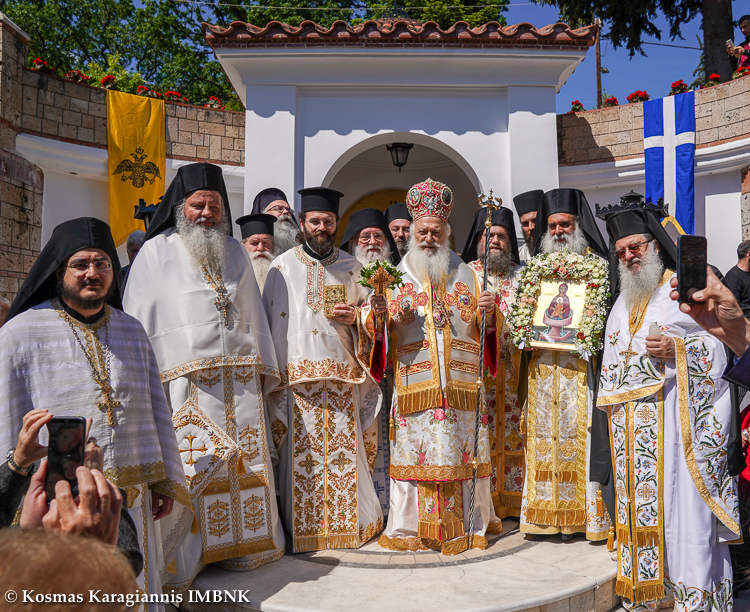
(429, 199)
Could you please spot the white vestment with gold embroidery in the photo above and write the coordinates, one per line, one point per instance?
(211, 371)
(676, 504)
(434, 349)
(325, 403)
(504, 412)
(43, 366)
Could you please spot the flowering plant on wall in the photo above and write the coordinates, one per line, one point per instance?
(740, 72)
(611, 101)
(713, 79)
(175, 96)
(108, 82)
(214, 102)
(146, 92)
(576, 107)
(678, 87)
(76, 76)
(638, 96)
(43, 67)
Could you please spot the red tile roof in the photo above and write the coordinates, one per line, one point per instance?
(398, 32)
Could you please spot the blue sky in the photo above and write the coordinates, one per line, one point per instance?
(654, 73)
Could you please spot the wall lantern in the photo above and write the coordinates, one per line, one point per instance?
(399, 153)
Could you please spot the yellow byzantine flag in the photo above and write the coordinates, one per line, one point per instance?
(137, 158)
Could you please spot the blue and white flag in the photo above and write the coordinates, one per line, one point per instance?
(669, 145)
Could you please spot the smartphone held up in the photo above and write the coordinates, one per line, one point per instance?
(65, 453)
(691, 266)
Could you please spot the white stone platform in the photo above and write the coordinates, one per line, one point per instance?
(538, 574)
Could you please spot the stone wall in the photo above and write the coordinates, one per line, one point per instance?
(722, 114)
(21, 183)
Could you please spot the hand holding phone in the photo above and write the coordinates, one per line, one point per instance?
(691, 266)
(65, 453)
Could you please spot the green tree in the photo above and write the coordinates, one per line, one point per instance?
(629, 21)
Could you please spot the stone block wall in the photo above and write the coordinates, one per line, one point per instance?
(722, 114)
(21, 183)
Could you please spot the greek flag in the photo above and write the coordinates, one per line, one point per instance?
(669, 145)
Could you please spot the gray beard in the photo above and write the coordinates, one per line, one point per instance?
(261, 265)
(206, 246)
(365, 258)
(286, 234)
(402, 247)
(637, 286)
(574, 242)
(496, 264)
(436, 267)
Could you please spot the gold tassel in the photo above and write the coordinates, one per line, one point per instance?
(392, 429)
(647, 536)
(237, 550)
(599, 504)
(195, 528)
(417, 401)
(241, 465)
(623, 535)
(611, 539)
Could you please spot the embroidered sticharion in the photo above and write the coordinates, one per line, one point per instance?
(438, 472)
(412, 347)
(415, 368)
(315, 276)
(462, 345)
(212, 362)
(145, 473)
(463, 366)
(323, 369)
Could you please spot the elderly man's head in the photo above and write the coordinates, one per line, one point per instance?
(134, 244)
(286, 232)
(499, 256)
(370, 244)
(564, 234)
(85, 281)
(262, 253)
(203, 227)
(428, 247)
(640, 267)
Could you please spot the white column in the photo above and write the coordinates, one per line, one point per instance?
(269, 140)
(532, 139)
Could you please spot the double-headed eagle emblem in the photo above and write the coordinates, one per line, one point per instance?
(139, 172)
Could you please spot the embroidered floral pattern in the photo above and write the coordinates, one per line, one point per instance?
(325, 368)
(463, 300)
(315, 276)
(404, 305)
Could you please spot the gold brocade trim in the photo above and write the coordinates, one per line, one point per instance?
(510, 500)
(176, 490)
(145, 473)
(495, 528)
(240, 549)
(178, 587)
(245, 566)
(402, 544)
(251, 481)
(311, 543)
(438, 472)
(597, 536)
(412, 347)
(551, 529)
(214, 362)
(440, 505)
(412, 401)
(415, 368)
(651, 592)
(462, 345)
(463, 366)
(308, 369)
(687, 439)
(461, 395)
(556, 518)
(628, 396)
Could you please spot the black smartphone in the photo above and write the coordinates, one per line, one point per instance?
(691, 266)
(67, 446)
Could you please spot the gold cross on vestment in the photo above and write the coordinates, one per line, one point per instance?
(380, 281)
(109, 404)
(309, 463)
(190, 450)
(628, 354)
(341, 462)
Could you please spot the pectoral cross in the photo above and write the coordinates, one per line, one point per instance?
(109, 404)
(223, 304)
(628, 354)
(380, 281)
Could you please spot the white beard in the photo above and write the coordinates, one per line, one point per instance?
(366, 256)
(436, 267)
(574, 242)
(261, 264)
(637, 286)
(207, 246)
(286, 234)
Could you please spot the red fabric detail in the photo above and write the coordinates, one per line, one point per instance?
(745, 416)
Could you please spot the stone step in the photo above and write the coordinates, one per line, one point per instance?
(516, 573)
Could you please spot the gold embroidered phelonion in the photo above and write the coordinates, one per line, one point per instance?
(593, 270)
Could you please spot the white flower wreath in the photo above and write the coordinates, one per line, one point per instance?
(593, 270)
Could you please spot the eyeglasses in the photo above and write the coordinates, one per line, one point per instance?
(327, 223)
(279, 209)
(81, 267)
(635, 249)
(366, 238)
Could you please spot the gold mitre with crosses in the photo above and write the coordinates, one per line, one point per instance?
(429, 199)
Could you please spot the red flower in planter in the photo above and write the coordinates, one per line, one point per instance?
(173, 96)
(108, 82)
(638, 96)
(76, 76)
(611, 101)
(43, 67)
(576, 107)
(740, 72)
(678, 87)
(214, 102)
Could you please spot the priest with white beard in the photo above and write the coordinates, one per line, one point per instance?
(273, 201)
(68, 348)
(433, 325)
(501, 390)
(670, 422)
(368, 238)
(258, 239)
(327, 398)
(558, 497)
(193, 289)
